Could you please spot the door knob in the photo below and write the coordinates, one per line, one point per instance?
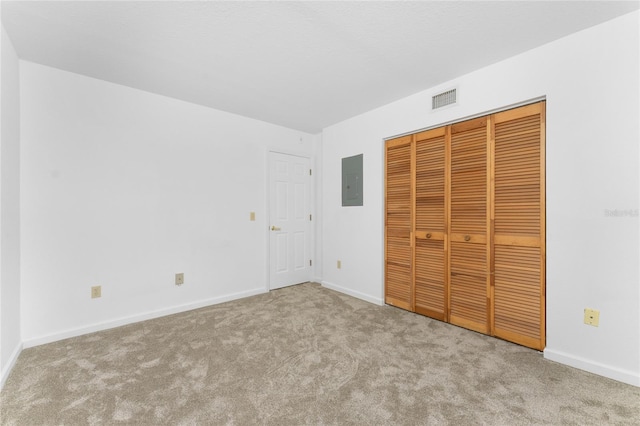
(428, 234)
(467, 238)
(275, 228)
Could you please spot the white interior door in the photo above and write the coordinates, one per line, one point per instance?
(290, 216)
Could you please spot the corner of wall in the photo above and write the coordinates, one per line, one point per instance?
(6, 369)
(10, 324)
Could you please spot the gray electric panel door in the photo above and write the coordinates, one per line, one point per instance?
(352, 181)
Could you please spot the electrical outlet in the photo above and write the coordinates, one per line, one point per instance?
(180, 278)
(591, 317)
(96, 291)
(339, 264)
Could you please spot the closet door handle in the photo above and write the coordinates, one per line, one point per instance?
(275, 228)
(467, 238)
(428, 234)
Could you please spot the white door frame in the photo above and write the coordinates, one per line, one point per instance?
(312, 225)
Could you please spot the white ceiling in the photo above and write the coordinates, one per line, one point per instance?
(303, 65)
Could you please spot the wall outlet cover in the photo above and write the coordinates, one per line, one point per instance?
(96, 291)
(180, 278)
(592, 317)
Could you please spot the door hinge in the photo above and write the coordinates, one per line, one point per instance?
(310, 262)
(310, 217)
(310, 173)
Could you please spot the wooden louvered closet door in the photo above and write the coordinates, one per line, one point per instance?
(469, 286)
(465, 224)
(398, 223)
(430, 225)
(519, 246)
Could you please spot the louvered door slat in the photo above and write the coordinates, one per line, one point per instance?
(430, 257)
(398, 223)
(468, 226)
(518, 295)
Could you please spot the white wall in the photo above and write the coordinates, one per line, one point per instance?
(123, 188)
(10, 340)
(590, 80)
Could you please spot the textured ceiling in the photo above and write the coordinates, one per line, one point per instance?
(303, 65)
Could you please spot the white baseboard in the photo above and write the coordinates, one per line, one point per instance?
(12, 361)
(624, 376)
(356, 294)
(137, 318)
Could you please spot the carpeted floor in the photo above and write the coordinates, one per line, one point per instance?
(303, 355)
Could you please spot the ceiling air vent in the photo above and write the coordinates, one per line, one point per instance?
(443, 99)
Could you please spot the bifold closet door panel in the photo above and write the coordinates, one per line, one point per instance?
(519, 260)
(468, 286)
(430, 226)
(398, 223)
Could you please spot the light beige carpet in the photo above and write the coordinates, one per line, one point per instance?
(303, 355)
